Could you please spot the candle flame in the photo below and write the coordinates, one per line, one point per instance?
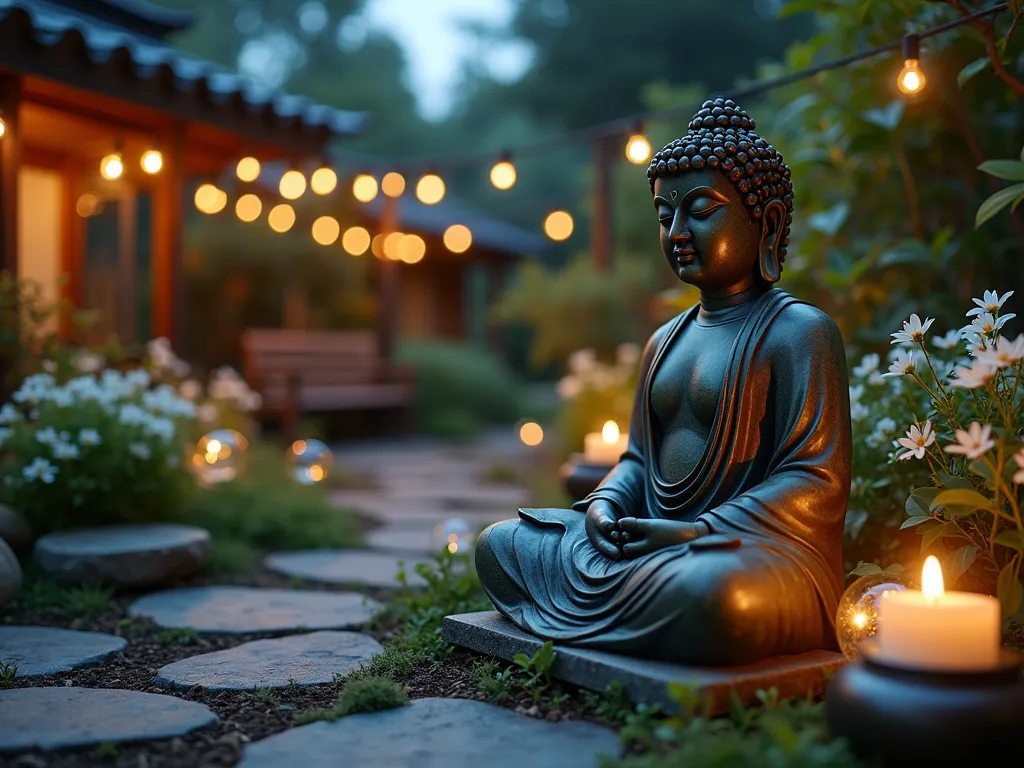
(860, 619)
(610, 432)
(931, 579)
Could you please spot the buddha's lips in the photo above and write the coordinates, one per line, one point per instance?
(684, 255)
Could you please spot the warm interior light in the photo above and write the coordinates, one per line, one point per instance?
(248, 169)
(210, 199)
(931, 579)
(638, 149)
(87, 205)
(111, 166)
(503, 174)
(457, 238)
(558, 225)
(3, 127)
(355, 241)
(152, 161)
(610, 432)
(248, 207)
(531, 433)
(326, 230)
(390, 245)
(411, 249)
(364, 187)
(323, 181)
(292, 185)
(430, 189)
(281, 217)
(393, 184)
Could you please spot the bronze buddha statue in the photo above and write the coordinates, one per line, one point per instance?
(717, 538)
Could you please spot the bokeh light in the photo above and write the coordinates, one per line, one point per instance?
(355, 241)
(454, 535)
(377, 245)
(281, 217)
(326, 230)
(364, 187)
(393, 184)
(638, 149)
(503, 174)
(292, 185)
(210, 199)
(531, 433)
(411, 249)
(911, 80)
(248, 169)
(457, 238)
(3, 127)
(220, 456)
(309, 461)
(323, 181)
(390, 245)
(248, 207)
(87, 205)
(558, 225)
(111, 166)
(857, 615)
(430, 189)
(152, 161)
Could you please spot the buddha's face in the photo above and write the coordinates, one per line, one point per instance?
(707, 233)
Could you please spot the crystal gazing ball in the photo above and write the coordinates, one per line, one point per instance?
(309, 461)
(220, 456)
(857, 617)
(455, 535)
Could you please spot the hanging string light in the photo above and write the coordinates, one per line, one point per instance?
(355, 241)
(248, 169)
(112, 166)
(430, 189)
(377, 245)
(411, 249)
(503, 173)
(558, 225)
(323, 181)
(210, 199)
(638, 148)
(152, 161)
(911, 79)
(393, 184)
(457, 238)
(248, 207)
(364, 188)
(390, 245)
(281, 218)
(326, 230)
(292, 185)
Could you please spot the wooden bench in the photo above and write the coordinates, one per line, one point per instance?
(296, 372)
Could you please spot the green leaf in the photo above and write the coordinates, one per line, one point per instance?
(887, 118)
(865, 569)
(952, 481)
(544, 658)
(1022, 154)
(919, 501)
(895, 568)
(962, 561)
(1012, 539)
(1012, 170)
(996, 203)
(982, 469)
(522, 660)
(1008, 590)
(1018, 201)
(938, 532)
(960, 501)
(971, 70)
(910, 522)
(830, 221)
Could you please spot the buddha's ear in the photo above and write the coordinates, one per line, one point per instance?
(773, 221)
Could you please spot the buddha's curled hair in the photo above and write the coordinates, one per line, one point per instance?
(722, 136)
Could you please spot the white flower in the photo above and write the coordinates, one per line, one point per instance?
(34, 388)
(250, 401)
(89, 437)
(5, 432)
(868, 365)
(975, 344)
(9, 414)
(991, 302)
(903, 365)
(913, 330)
(859, 412)
(137, 379)
(133, 415)
(1018, 476)
(916, 441)
(974, 442)
(949, 341)
(880, 435)
(40, 469)
(87, 362)
(582, 361)
(628, 354)
(208, 413)
(160, 427)
(140, 451)
(984, 324)
(47, 436)
(66, 451)
(1003, 353)
(190, 389)
(856, 392)
(978, 375)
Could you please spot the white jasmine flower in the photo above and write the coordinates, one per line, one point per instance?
(913, 330)
(47, 436)
(89, 437)
(628, 354)
(40, 469)
(856, 392)
(9, 414)
(140, 451)
(66, 451)
(162, 428)
(868, 365)
(34, 388)
(916, 441)
(190, 389)
(859, 412)
(137, 379)
(948, 341)
(978, 375)
(582, 361)
(990, 302)
(973, 442)
(133, 415)
(904, 365)
(880, 435)
(985, 324)
(1018, 476)
(1003, 353)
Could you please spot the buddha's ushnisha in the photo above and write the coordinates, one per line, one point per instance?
(717, 538)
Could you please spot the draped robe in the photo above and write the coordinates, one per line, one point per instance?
(772, 486)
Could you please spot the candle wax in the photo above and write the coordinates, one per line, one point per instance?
(597, 451)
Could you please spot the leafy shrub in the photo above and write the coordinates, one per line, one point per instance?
(594, 392)
(461, 388)
(365, 694)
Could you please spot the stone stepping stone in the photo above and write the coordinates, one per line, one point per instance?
(124, 556)
(798, 675)
(49, 650)
(344, 566)
(403, 539)
(436, 733)
(311, 659)
(56, 718)
(244, 610)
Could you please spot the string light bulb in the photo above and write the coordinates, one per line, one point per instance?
(210, 199)
(152, 161)
(355, 241)
(112, 166)
(558, 225)
(457, 238)
(430, 189)
(638, 148)
(326, 230)
(281, 218)
(393, 184)
(323, 181)
(292, 185)
(248, 207)
(911, 80)
(364, 188)
(503, 174)
(248, 169)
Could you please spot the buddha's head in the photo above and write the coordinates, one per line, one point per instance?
(725, 202)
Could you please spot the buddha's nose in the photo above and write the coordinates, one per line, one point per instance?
(683, 236)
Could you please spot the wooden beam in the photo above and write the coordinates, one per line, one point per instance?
(167, 240)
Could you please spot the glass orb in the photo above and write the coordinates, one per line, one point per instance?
(220, 456)
(857, 617)
(455, 535)
(310, 461)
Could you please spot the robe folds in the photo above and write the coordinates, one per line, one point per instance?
(772, 485)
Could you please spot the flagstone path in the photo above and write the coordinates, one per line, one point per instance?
(304, 636)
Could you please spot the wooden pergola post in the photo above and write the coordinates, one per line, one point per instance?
(388, 288)
(10, 164)
(168, 287)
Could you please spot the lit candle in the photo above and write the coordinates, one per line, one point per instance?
(937, 630)
(605, 448)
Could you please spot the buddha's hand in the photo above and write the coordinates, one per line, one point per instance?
(599, 526)
(642, 535)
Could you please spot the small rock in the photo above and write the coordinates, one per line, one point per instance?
(49, 650)
(10, 575)
(533, 711)
(14, 529)
(346, 566)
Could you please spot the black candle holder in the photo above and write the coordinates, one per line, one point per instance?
(905, 716)
(580, 478)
